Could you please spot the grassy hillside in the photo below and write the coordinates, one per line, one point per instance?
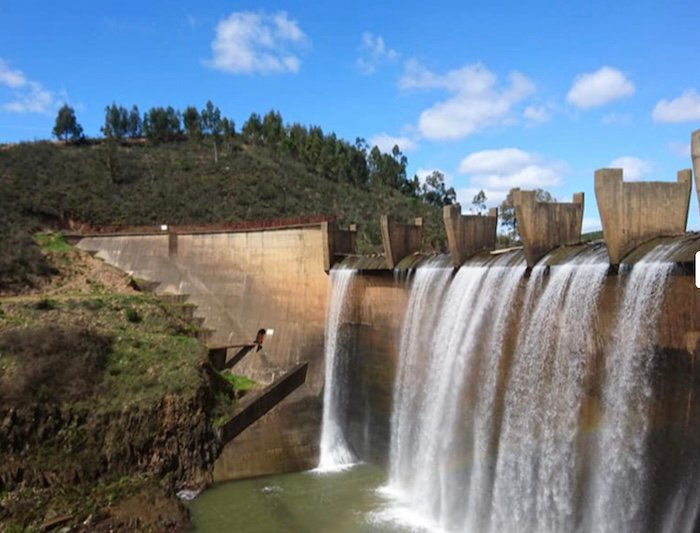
(114, 184)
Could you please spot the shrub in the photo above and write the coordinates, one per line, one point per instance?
(52, 363)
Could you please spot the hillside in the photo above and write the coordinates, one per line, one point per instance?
(114, 184)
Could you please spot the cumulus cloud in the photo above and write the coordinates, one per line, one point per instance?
(386, 143)
(595, 89)
(634, 168)
(257, 43)
(685, 108)
(476, 100)
(537, 114)
(498, 171)
(373, 53)
(28, 96)
(591, 224)
(423, 173)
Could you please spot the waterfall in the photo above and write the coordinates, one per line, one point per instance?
(445, 332)
(620, 476)
(535, 486)
(335, 452)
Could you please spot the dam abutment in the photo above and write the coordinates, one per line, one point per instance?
(468, 235)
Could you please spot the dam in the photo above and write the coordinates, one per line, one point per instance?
(552, 387)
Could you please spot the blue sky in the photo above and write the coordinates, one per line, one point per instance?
(494, 94)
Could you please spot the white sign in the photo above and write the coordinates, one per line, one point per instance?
(697, 269)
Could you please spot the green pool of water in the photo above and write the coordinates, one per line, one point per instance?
(307, 502)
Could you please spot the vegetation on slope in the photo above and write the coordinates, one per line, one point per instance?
(105, 410)
(202, 174)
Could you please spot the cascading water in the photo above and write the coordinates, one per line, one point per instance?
(428, 465)
(335, 452)
(489, 438)
(535, 487)
(620, 477)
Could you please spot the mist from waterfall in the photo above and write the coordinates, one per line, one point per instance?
(489, 433)
(335, 452)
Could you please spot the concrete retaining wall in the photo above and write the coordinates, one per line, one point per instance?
(635, 212)
(241, 282)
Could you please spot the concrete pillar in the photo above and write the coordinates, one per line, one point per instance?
(400, 240)
(635, 212)
(544, 226)
(695, 154)
(337, 243)
(172, 242)
(468, 235)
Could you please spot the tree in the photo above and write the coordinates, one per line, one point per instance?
(135, 125)
(116, 122)
(434, 191)
(162, 124)
(67, 127)
(507, 212)
(193, 123)
(479, 201)
(252, 129)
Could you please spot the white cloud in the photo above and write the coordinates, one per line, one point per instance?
(537, 114)
(373, 53)
(27, 96)
(262, 43)
(685, 108)
(598, 88)
(476, 100)
(11, 78)
(498, 171)
(386, 143)
(634, 168)
(466, 195)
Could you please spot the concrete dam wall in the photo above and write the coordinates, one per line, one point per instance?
(241, 282)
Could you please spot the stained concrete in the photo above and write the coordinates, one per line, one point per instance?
(635, 212)
(400, 240)
(468, 235)
(544, 226)
(695, 156)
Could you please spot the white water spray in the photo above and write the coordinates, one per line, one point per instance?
(335, 452)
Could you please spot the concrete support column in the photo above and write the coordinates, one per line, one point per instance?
(695, 155)
(544, 226)
(635, 212)
(468, 235)
(337, 243)
(400, 240)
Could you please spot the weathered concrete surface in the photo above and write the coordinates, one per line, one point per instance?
(635, 212)
(241, 282)
(695, 155)
(400, 240)
(544, 226)
(337, 243)
(468, 235)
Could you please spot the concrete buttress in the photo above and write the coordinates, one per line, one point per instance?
(695, 155)
(400, 240)
(468, 235)
(635, 212)
(544, 226)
